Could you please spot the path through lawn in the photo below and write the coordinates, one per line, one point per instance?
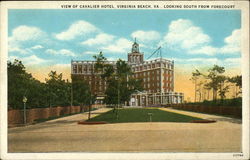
(141, 115)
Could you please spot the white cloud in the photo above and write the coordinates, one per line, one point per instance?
(12, 58)
(102, 38)
(232, 43)
(79, 28)
(27, 33)
(198, 60)
(203, 60)
(37, 47)
(184, 34)
(64, 52)
(120, 46)
(146, 36)
(228, 62)
(32, 60)
(208, 50)
(18, 50)
(112, 59)
(90, 52)
(233, 61)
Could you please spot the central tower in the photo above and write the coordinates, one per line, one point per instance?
(135, 57)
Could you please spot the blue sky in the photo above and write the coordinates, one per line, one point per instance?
(54, 37)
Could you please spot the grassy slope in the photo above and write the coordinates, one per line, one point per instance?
(141, 115)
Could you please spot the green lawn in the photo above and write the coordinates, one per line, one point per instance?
(141, 115)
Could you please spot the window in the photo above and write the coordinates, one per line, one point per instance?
(74, 69)
(158, 71)
(79, 68)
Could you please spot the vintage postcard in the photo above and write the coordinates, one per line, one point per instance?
(125, 80)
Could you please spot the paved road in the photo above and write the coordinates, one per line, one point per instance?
(65, 135)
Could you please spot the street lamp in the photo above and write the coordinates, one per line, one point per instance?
(24, 109)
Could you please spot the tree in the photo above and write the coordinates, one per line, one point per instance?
(20, 84)
(237, 81)
(58, 89)
(195, 76)
(216, 80)
(81, 91)
(120, 84)
(207, 88)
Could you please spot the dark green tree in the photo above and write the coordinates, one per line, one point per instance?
(20, 84)
(58, 90)
(120, 84)
(81, 91)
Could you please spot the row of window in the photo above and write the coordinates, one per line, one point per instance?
(81, 69)
(148, 73)
(89, 69)
(151, 66)
(136, 59)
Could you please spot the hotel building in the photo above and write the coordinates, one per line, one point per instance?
(157, 79)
